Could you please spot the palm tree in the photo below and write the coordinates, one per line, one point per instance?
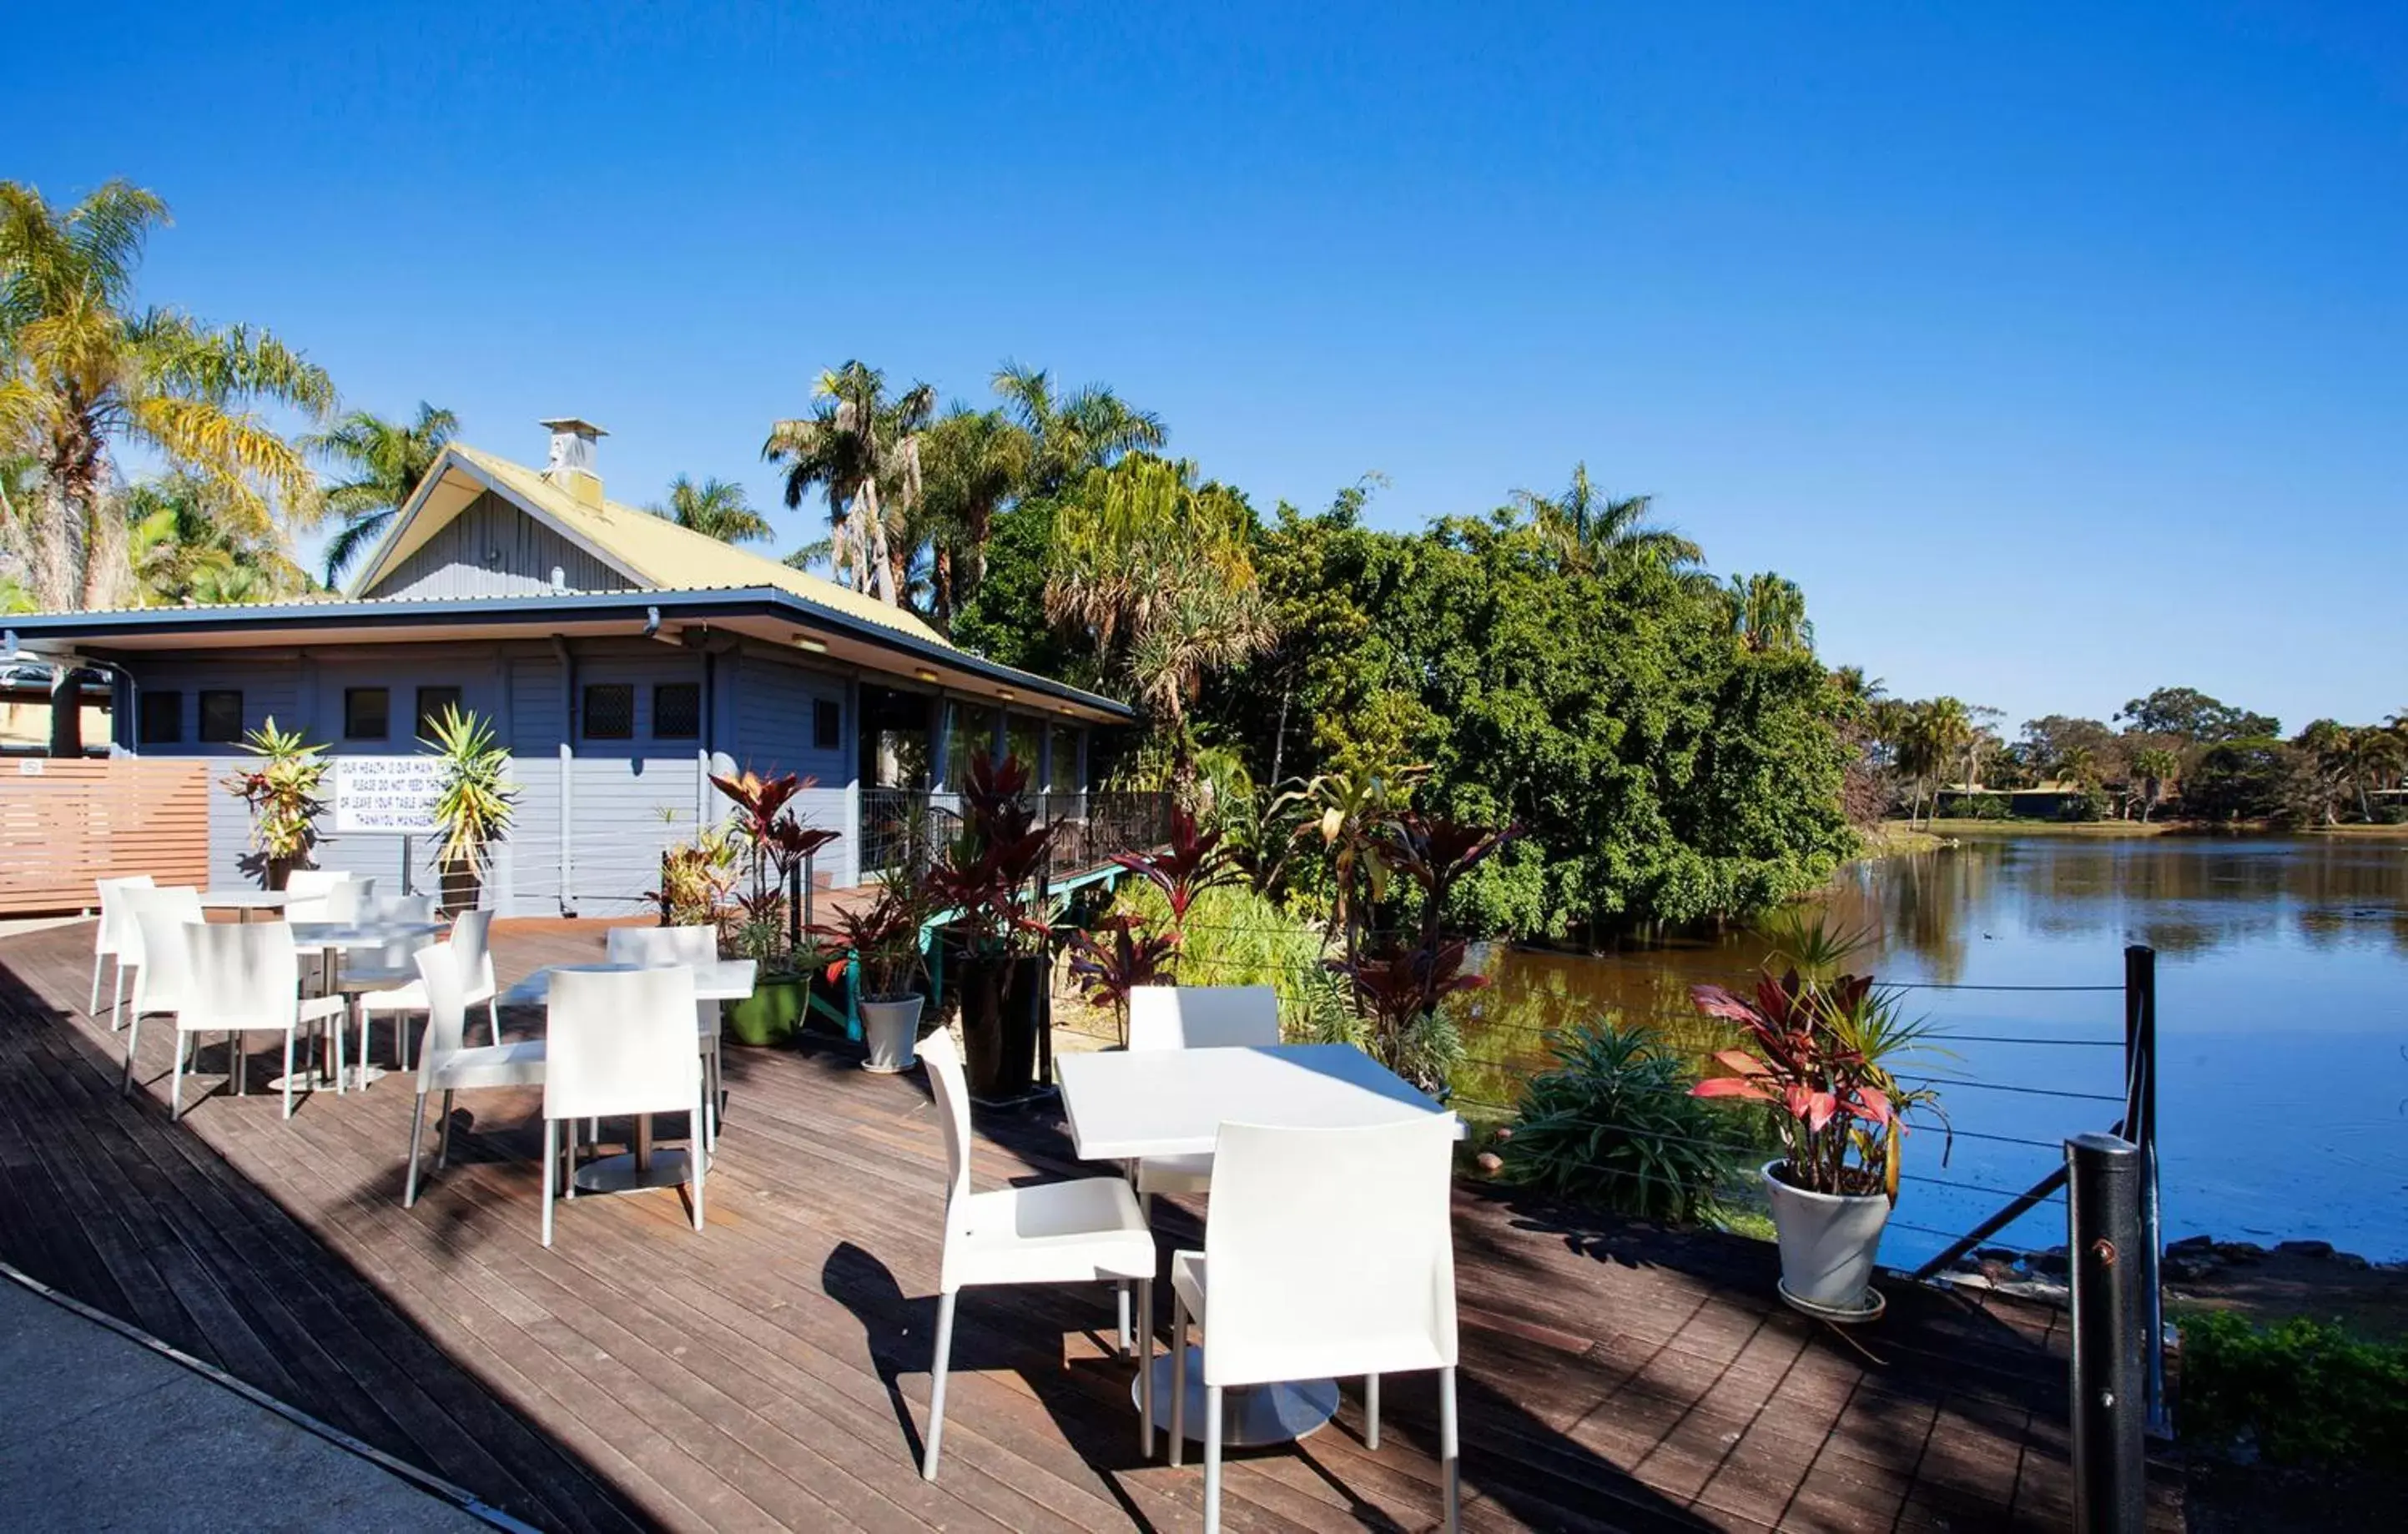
(1089, 428)
(1587, 528)
(973, 460)
(85, 371)
(1769, 613)
(863, 449)
(2373, 754)
(716, 508)
(180, 549)
(387, 459)
(2156, 766)
(1937, 730)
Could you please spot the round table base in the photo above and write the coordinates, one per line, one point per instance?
(1251, 1414)
(620, 1173)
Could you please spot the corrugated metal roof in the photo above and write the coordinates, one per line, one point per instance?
(677, 559)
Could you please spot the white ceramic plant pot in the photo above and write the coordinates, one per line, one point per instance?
(1827, 1241)
(891, 1030)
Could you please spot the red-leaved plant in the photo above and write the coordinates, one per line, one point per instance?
(1820, 1053)
(1195, 861)
(1115, 958)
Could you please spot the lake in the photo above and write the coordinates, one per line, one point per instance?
(2282, 1021)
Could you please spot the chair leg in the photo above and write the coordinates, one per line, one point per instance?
(1372, 1413)
(1127, 1338)
(117, 998)
(443, 1139)
(1450, 1452)
(551, 1169)
(236, 1065)
(93, 1008)
(133, 1042)
(568, 1165)
(695, 1166)
(1178, 1379)
(937, 1384)
(335, 1028)
(288, 1071)
(492, 1019)
(176, 1085)
(1212, 1459)
(1144, 1366)
(417, 1138)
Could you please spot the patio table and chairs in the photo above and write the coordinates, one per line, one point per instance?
(245, 978)
(446, 1062)
(471, 939)
(330, 941)
(160, 954)
(109, 937)
(619, 1041)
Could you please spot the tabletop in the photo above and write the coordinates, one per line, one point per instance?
(345, 936)
(728, 980)
(1123, 1104)
(244, 900)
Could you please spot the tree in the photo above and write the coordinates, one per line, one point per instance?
(1582, 525)
(2156, 766)
(181, 551)
(86, 372)
(1069, 435)
(973, 463)
(387, 459)
(863, 449)
(716, 508)
(2188, 713)
(1769, 613)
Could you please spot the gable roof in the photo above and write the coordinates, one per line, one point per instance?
(653, 552)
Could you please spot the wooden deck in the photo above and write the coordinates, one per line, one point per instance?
(772, 1373)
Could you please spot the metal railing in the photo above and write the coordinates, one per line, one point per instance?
(901, 828)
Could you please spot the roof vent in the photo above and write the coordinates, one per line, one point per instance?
(571, 464)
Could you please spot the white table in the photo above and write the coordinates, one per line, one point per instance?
(244, 901)
(727, 980)
(332, 939)
(1123, 1105)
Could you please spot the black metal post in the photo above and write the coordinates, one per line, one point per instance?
(666, 918)
(793, 907)
(2140, 1127)
(2109, 1417)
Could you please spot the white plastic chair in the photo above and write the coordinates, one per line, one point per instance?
(445, 1064)
(109, 937)
(160, 954)
(245, 978)
(471, 939)
(654, 946)
(1084, 1230)
(1191, 1017)
(365, 970)
(1328, 1251)
(619, 1042)
(322, 895)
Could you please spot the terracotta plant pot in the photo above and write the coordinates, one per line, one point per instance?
(1829, 1241)
(890, 1026)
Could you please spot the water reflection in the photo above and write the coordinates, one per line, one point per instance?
(2284, 987)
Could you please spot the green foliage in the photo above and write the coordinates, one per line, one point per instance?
(478, 797)
(2254, 779)
(2194, 716)
(2311, 1393)
(1613, 1124)
(281, 785)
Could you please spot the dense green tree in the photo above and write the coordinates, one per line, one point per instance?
(1587, 526)
(84, 373)
(2256, 777)
(973, 463)
(862, 448)
(385, 460)
(2194, 716)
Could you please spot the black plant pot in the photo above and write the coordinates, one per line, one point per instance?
(1003, 1009)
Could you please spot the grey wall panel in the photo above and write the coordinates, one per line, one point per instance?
(494, 548)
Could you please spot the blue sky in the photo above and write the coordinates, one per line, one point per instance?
(2057, 354)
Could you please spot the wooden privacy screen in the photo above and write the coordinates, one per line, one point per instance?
(66, 822)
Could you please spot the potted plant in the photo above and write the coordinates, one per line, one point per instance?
(772, 842)
(281, 785)
(988, 878)
(883, 940)
(1114, 957)
(1820, 1052)
(474, 809)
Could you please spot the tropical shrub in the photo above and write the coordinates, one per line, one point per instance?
(884, 938)
(281, 785)
(696, 877)
(1613, 1123)
(2310, 1392)
(474, 810)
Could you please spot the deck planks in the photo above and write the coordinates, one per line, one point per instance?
(773, 1374)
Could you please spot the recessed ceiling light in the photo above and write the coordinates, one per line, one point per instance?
(804, 641)
(924, 674)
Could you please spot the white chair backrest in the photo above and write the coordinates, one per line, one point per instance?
(472, 940)
(1329, 1252)
(110, 935)
(310, 895)
(393, 957)
(1203, 1016)
(658, 945)
(620, 1041)
(952, 1090)
(160, 918)
(132, 900)
(447, 1003)
(244, 975)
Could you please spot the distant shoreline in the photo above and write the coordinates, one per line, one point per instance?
(1892, 838)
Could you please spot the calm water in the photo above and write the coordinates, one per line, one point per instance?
(2283, 1019)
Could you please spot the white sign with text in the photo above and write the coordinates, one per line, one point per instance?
(394, 796)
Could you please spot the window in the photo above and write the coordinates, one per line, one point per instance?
(972, 736)
(827, 724)
(161, 721)
(609, 710)
(1065, 761)
(432, 702)
(677, 710)
(1020, 736)
(367, 712)
(221, 715)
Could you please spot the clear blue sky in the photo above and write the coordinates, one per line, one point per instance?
(2059, 356)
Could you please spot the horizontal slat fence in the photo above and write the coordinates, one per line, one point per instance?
(65, 823)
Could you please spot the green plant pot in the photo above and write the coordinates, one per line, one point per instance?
(772, 1013)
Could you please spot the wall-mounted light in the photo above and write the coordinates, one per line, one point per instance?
(1006, 694)
(804, 641)
(924, 674)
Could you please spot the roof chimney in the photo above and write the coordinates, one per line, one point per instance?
(572, 464)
